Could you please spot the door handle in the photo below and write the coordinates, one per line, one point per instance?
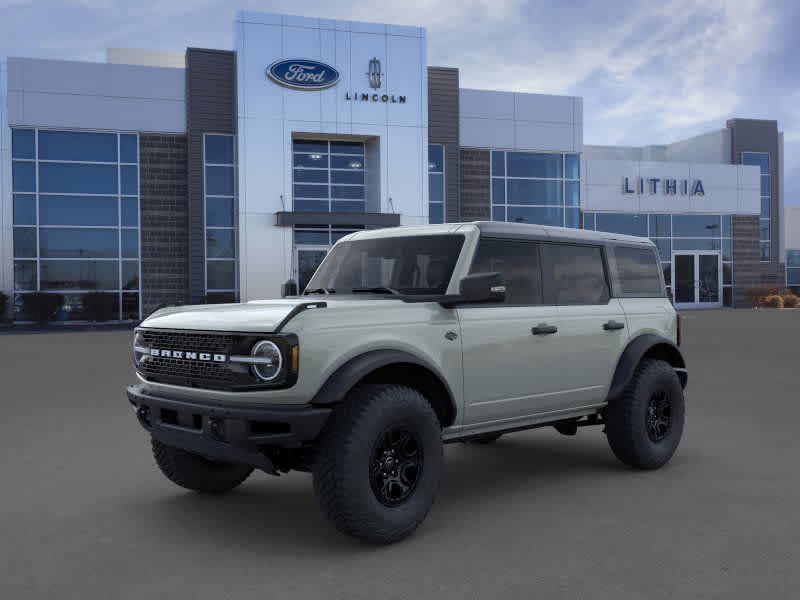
(544, 329)
(612, 325)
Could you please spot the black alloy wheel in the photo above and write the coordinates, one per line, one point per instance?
(659, 416)
(396, 465)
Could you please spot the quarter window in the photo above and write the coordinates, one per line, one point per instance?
(518, 265)
(638, 272)
(574, 275)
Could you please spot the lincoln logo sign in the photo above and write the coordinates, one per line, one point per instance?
(669, 187)
(302, 74)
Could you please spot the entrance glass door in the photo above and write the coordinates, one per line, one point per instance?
(696, 279)
(308, 259)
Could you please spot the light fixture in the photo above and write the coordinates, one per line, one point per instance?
(316, 156)
(355, 164)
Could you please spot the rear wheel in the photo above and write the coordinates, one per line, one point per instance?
(378, 463)
(645, 424)
(197, 473)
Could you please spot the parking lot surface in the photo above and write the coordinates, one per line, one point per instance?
(84, 512)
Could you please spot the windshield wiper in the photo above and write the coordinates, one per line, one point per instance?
(376, 290)
(319, 291)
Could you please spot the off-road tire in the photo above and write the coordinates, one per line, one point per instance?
(486, 438)
(627, 417)
(194, 472)
(345, 457)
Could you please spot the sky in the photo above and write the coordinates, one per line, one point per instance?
(649, 72)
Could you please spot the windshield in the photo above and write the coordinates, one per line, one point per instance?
(401, 265)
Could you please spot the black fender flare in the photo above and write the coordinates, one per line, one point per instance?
(349, 374)
(646, 344)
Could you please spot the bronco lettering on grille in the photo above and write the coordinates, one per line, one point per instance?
(187, 355)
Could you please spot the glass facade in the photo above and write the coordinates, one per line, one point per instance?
(536, 187)
(761, 160)
(793, 268)
(436, 183)
(311, 245)
(76, 219)
(222, 276)
(328, 176)
(674, 233)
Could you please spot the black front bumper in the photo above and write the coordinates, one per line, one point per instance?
(239, 435)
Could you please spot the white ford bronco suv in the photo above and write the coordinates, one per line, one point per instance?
(408, 338)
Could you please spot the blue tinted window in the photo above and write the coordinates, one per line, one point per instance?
(660, 226)
(793, 277)
(726, 226)
(436, 187)
(73, 145)
(128, 149)
(765, 207)
(759, 159)
(793, 258)
(588, 221)
(310, 146)
(357, 177)
(696, 244)
(727, 249)
(764, 229)
(219, 212)
(347, 148)
(766, 251)
(313, 175)
(572, 217)
(498, 213)
(220, 243)
(316, 238)
(25, 242)
(498, 163)
(628, 224)
(347, 192)
(130, 212)
(78, 243)
(530, 164)
(320, 161)
(130, 243)
(221, 274)
(696, 225)
(23, 176)
(24, 209)
(537, 215)
(310, 191)
(80, 275)
(498, 191)
(436, 213)
(219, 181)
(23, 143)
(129, 180)
(77, 179)
(435, 158)
(525, 191)
(664, 246)
(24, 275)
(311, 205)
(77, 210)
(572, 189)
(130, 306)
(348, 206)
(219, 149)
(130, 275)
(765, 185)
(573, 166)
(337, 162)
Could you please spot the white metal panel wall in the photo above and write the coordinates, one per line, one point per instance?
(729, 189)
(269, 115)
(491, 119)
(83, 95)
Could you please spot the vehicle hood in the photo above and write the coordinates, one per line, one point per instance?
(259, 316)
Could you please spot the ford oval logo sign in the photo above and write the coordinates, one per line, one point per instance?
(303, 74)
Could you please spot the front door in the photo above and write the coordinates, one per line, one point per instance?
(697, 279)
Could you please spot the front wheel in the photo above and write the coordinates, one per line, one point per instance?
(378, 463)
(644, 424)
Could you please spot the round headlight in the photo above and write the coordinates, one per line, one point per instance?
(269, 361)
(139, 349)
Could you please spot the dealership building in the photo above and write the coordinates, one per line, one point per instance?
(217, 175)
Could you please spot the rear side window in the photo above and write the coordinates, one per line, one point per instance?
(638, 271)
(518, 265)
(574, 275)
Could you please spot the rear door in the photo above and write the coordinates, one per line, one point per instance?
(510, 371)
(592, 329)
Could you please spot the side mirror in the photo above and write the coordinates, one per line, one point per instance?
(482, 287)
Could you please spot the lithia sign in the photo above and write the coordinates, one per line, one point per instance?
(667, 186)
(306, 74)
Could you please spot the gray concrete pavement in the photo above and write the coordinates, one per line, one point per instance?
(85, 514)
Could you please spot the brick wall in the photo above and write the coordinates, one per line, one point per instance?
(165, 233)
(748, 270)
(475, 199)
(443, 128)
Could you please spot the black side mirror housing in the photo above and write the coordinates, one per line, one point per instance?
(482, 287)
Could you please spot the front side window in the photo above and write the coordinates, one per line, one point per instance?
(638, 271)
(405, 265)
(518, 265)
(574, 275)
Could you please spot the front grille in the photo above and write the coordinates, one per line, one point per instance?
(188, 371)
